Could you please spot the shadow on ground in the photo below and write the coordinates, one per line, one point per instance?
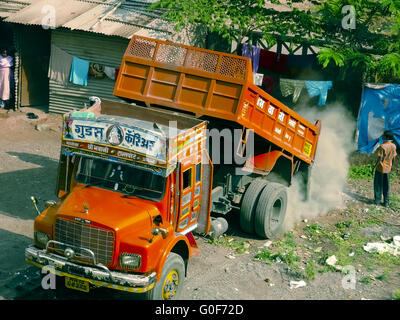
(18, 186)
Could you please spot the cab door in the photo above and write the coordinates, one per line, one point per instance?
(190, 186)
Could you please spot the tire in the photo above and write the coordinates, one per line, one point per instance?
(171, 282)
(249, 204)
(271, 211)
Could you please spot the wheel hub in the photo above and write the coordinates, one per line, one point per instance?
(170, 285)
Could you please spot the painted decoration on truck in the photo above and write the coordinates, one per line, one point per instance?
(115, 135)
(121, 136)
(307, 148)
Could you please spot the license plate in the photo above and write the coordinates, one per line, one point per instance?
(77, 284)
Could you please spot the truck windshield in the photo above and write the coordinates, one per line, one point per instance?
(122, 178)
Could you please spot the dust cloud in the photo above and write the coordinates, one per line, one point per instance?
(329, 172)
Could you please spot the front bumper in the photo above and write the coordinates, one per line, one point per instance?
(98, 277)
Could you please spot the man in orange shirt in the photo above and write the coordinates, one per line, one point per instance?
(386, 154)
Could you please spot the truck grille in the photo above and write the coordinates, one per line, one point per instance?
(100, 241)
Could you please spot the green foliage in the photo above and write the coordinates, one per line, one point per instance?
(326, 55)
(396, 294)
(371, 49)
(383, 277)
(283, 250)
(314, 230)
(240, 247)
(235, 20)
(362, 172)
(394, 202)
(310, 270)
(367, 280)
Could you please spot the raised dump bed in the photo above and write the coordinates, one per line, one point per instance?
(215, 84)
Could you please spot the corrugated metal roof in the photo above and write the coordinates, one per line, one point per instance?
(8, 7)
(109, 17)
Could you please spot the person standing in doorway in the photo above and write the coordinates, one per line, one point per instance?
(386, 153)
(6, 62)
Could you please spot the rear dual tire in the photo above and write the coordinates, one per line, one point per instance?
(263, 208)
(271, 211)
(249, 204)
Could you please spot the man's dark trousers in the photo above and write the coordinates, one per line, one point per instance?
(381, 185)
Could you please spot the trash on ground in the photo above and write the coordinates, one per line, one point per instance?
(297, 284)
(267, 244)
(382, 247)
(351, 254)
(31, 115)
(229, 256)
(396, 241)
(332, 261)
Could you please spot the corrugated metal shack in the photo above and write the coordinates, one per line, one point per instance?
(97, 31)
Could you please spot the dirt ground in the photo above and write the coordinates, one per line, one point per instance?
(234, 267)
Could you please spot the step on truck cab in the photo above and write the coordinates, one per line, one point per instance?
(274, 143)
(132, 186)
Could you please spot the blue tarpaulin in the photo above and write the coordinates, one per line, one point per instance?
(379, 111)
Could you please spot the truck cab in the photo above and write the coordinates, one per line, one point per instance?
(130, 188)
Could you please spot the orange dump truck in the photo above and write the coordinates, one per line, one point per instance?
(134, 181)
(219, 88)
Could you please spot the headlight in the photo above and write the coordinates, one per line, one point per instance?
(41, 238)
(130, 260)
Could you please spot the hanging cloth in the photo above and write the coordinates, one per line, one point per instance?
(59, 65)
(292, 87)
(319, 88)
(110, 72)
(269, 83)
(272, 61)
(253, 54)
(79, 71)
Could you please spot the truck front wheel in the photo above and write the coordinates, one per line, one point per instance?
(271, 210)
(171, 282)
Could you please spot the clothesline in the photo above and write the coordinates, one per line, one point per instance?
(278, 63)
(64, 68)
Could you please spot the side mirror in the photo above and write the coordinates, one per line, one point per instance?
(157, 231)
(34, 200)
(50, 203)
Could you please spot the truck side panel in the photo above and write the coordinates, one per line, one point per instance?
(273, 120)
